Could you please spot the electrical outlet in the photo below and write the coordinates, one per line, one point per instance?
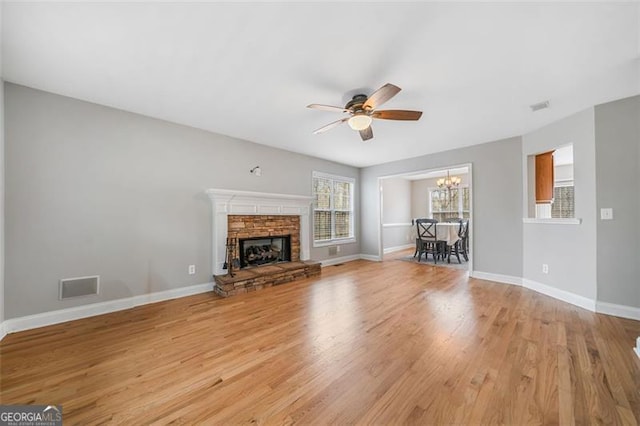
(192, 269)
(545, 268)
(606, 214)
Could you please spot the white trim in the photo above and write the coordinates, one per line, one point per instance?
(3, 331)
(370, 257)
(336, 260)
(323, 175)
(396, 225)
(623, 311)
(336, 242)
(637, 351)
(553, 221)
(563, 295)
(235, 194)
(398, 248)
(563, 183)
(547, 290)
(78, 312)
(499, 278)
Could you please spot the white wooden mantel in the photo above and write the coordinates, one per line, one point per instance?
(228, 201)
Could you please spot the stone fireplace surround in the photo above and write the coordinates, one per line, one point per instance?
(264, 226)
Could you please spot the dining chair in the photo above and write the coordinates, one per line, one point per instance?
(427, 240)
(464, 239)
(461, 245)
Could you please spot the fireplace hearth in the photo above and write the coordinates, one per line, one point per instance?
(264, 250)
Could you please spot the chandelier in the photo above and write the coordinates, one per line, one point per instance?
(449, 182)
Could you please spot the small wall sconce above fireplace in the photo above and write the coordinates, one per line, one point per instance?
(257, 171)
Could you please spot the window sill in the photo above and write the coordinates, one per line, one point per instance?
(553, 221)
(334, 242)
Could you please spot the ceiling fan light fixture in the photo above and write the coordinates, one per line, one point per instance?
(360, 122)
(362, 109)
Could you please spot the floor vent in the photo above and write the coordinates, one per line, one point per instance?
(80, 286)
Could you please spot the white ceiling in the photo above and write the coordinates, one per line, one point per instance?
(437, 174)
(249, 69)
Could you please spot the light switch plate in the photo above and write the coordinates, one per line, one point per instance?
(606, 214)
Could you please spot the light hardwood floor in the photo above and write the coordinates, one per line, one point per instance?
(385, 343)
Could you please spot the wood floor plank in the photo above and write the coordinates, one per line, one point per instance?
(388, 342)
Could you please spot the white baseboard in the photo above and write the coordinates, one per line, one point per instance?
(556, 293)
(505, 279)
(398, 248)
(563, 295)
(623, 311)
(343, 259)
(370, 257)
(336, 260)
(55, 317)
(78, 312)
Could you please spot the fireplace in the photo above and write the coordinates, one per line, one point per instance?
(263, 250)
(246, 214)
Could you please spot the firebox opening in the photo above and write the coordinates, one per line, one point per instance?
(262, 250)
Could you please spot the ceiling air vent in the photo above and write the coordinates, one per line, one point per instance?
(539, 106)
(80, 286)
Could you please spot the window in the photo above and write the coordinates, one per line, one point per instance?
(333, 209)
(550, 186)
(562, 206)
(444, 206)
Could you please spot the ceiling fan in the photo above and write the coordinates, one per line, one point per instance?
(362, 111)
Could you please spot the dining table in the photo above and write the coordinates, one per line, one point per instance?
(448, 232)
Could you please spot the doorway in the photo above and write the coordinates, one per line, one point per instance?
(442, 193)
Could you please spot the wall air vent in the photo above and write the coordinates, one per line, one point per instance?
(539, 106)
(80, 286)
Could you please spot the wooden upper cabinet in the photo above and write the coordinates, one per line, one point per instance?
(544, 178)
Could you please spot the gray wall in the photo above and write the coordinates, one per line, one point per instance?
(1, 178)
(396, 210)
(95, 190)
(569, 250)
(617, 129)
(420, 194)
(497, 207)
(563, 173)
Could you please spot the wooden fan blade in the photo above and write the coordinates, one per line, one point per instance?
(397, 114)
(327, 108)
(381, 96)
(331, 125)
(366, 134)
